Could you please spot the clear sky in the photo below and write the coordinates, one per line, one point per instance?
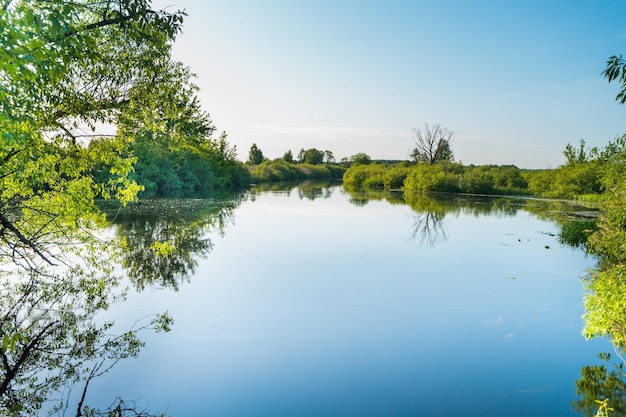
(514, 80)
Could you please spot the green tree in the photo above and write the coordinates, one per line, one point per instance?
(311, 156)
(361, 159)
(605, 306)
(67, 68)
(329, 158)
(579, 155)
(432, 144)
(288, 157)
(255, 155)
(616, 71)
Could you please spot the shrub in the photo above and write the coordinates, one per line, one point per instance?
(394, 176)
(426, 177)
(477, 181)
(358, 176)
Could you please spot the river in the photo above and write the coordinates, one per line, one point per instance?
(312, 301)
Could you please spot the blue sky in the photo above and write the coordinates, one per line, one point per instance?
(514, 80)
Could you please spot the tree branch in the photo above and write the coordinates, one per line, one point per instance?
(6, 224)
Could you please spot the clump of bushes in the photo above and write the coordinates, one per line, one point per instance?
(441, 177)
(436, 177)
(280, 170)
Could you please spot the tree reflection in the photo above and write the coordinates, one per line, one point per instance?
(429, 228)
(600, 384)
(311, 190)
(360, 197)
(52, 342)
(430, 209)
(314, 191)
(182, 225)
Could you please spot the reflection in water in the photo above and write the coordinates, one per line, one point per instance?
(601, 387)
(430, 209)
(182, 224)
(311, 190)
(53, 342)
(315, 192)
(429, 227)
(49, 322)
(605, 315)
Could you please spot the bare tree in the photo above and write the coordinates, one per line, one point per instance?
(432, 144)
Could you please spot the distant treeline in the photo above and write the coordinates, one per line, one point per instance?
(309, 164)
(168, 168)
(586, 174)
(280, 170)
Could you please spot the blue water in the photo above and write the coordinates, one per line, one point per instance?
(320, 307)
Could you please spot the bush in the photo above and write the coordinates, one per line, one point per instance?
(358, 176)
(394, 177)
(426, 177)
(281, 170)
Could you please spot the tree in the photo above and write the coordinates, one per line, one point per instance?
(255, 156)
(68, 67)
(579, 155)
(329, 158)
(311, 156)
(301, 155)
(605, 305)
(616, 70)
(361, 159)
(432, 144)
(288, 157)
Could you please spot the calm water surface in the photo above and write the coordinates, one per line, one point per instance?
(317, 302)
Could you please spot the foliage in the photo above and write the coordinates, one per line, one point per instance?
(69, 67)
(609, 242)
(432, 144)
(580, 155)
(395, 175)
(166, 169)
(576, 232)
(360, 159)
(586, 172)
(612, 160)
(181, 227)
(255, 155)
(329, 157)
(605, 304)
(52, 340)
(314, 156)
(280, 170)
(427, 177)
(288, 157)
(575, 180)
(600, 390)
(442, 177)
(477, 181)
(359, 176)
(616, 70)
